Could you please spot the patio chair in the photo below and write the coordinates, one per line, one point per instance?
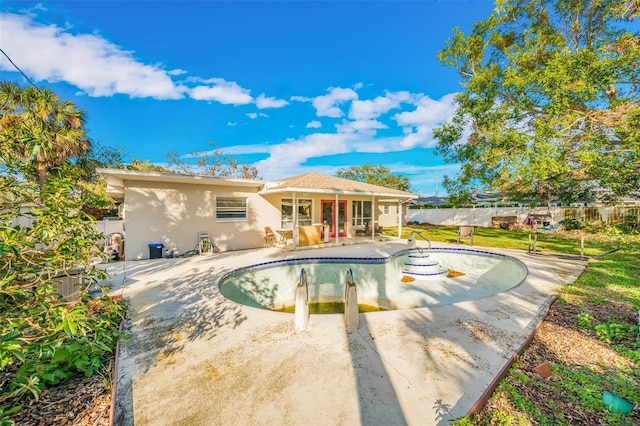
(270, 238)
(204, 243)
(367, 229)
(465, 232)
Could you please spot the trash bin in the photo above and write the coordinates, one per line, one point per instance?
(155, 250)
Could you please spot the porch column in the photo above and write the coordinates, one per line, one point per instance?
(335, 218)
(294, 206)
(373, 217)
(400, 216)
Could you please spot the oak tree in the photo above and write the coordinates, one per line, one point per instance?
(550, 101)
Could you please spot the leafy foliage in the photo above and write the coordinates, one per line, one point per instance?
(550, 107)
(39, 130)
(376, 175)
(571, 224)
(212, 163)
(45, 232)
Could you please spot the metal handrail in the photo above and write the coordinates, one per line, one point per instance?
(351, 313)
(301, 307)
(348, 282)
(421, 236)
(303, 282)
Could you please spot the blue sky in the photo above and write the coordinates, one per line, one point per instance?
(289, 87)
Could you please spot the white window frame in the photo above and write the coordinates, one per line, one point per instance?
(357, 215)
(241, 213)
(287, 222)
(386, 209)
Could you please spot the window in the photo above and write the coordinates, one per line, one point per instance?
(385, 209)
(361, 213)
(229, 209)
(304, 212)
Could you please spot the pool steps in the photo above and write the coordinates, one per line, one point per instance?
(418, 265)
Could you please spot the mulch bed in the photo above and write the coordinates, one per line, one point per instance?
(561, 341)
(77, 401)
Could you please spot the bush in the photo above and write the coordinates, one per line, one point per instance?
(571, 224)
(44, 339)
(629, 225)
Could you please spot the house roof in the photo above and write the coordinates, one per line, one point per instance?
(116, 177)
(432, 201)
(319, 183)
(308, 183)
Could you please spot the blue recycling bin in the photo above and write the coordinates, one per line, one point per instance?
(155, 250)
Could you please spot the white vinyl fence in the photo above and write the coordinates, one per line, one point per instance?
(481, 216)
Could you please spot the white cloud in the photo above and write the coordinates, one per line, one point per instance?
(367, 127)
(87, 61)
(428, 111)
(300, 99)
(231, 124)
(222, 91)
(369, 109)
(419, 123)
(327, 105)
(263, 102)
(357, 134)
(246, 149)
(289, 154)
(254, 115)
(315, 124)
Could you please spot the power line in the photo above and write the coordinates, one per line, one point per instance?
(21, 72)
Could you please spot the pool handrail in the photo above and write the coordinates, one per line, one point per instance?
(301, 308)
(351, 313)
(303, 282)
(421, 236)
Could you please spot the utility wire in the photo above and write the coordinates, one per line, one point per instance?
(21, 72)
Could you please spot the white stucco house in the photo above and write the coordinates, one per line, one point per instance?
(173, 209)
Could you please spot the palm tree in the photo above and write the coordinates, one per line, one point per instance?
(36, 126)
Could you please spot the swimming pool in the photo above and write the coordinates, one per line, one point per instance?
(384, 283)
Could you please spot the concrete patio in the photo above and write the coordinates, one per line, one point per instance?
(195, 358)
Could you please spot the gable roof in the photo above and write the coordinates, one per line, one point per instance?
(319, 183)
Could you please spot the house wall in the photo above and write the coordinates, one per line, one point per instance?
(174, 214)
(388, 219)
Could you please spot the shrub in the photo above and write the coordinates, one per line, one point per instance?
(571, 224)
(43, 338)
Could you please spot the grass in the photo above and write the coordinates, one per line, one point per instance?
(612, 275)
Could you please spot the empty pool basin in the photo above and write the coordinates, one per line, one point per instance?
(410, 278)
